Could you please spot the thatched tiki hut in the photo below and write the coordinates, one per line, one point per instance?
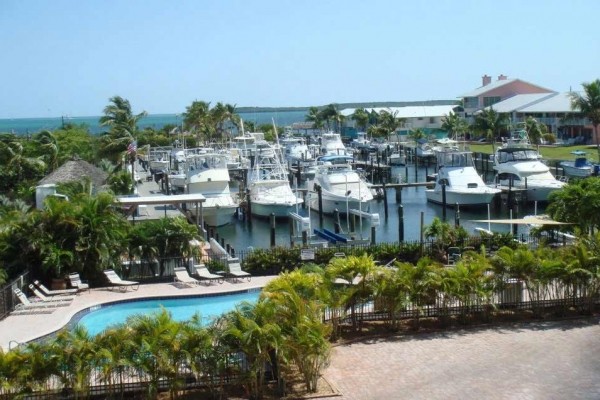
(75, 170)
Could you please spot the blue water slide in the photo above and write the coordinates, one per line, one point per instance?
(325, 236)
(337, 237)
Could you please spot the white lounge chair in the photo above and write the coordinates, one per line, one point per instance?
(49, 292)
(235, 270)
(182, 275)
(208, 276)
(77, 283)
(29, 307)
(116, 281)
(60, 301)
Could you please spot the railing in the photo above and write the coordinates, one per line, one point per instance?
(8, 300)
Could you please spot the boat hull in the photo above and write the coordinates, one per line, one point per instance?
(577, 172)
(330, 204)
(217, 215)
(461, 198)
(280, 210)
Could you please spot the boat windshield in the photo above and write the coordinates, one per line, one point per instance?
(453, 159)
(518, 155)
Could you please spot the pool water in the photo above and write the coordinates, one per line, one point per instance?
(181, 309)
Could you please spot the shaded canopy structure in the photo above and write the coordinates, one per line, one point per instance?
(76, 170)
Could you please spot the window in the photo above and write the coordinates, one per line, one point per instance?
(488, 101)
(432, 120)
(471, 102)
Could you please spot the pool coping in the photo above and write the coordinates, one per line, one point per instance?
(17, 330)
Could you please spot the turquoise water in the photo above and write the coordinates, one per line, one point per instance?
(181, 309)
(156, 121)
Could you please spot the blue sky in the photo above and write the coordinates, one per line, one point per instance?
(65, 57)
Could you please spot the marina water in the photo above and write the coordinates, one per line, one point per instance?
(243, 236)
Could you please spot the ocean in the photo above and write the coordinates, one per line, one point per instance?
(23, 126)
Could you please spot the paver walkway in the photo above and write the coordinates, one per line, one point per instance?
(541, 360)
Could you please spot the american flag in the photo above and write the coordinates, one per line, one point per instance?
(132, 148)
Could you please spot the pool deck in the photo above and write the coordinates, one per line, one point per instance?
(16, 329)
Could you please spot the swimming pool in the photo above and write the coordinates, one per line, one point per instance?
(102, 317)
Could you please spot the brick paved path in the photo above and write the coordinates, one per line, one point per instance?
(542, 360)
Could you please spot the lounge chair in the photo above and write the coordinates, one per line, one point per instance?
(235, 270)
(27, 306)
(77, 283)
(48, 292)
(116, 281)
(208, 276)
(49, 299)
(182, 275)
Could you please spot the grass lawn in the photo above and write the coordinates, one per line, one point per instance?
(549, 153)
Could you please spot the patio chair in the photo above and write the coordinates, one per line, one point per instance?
(28, 305)
(235, 270)
(77, 283)
(208, 276)
(182, 275)
(49, 292)
(59, 301)
(116, 281)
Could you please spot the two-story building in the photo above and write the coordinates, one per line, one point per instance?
(520, 100)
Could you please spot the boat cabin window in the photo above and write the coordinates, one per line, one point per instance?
(471, 185)
(507, 177)
(444, 182)
(455, 159)
(518, 155)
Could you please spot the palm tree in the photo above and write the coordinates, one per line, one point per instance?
(315, 116)
(119, 117)
(535, 130)
(361, 117)
(354, 277)
(588, 105)
(159, 352)
(252, 329)
(455, 125)
(490, 123)
(50, 145)
(197, 119)
(113, 355)
(389, 121)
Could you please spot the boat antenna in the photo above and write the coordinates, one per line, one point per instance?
(242, 126)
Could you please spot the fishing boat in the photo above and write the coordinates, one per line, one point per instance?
(397, 158)
(342, 188)
(580, 167)
(458, 182)
(208, 174)
(331, 144)
(269, 187)
(518, 165)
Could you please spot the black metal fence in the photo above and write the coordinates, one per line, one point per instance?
(8, 299)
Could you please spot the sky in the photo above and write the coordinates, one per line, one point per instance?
(68, 57)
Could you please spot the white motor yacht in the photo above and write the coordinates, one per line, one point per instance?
(270, 191)
(331, 144)
(208, 174)
(458, 178)
(518, 165)
(342, 188)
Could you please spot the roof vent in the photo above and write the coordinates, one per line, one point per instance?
(502, 77)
